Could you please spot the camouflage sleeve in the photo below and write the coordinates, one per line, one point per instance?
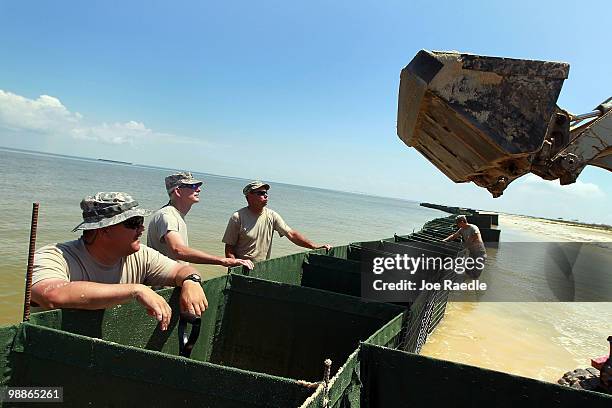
(158, 268)
(49, 263)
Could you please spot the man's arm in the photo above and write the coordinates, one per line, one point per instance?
(182, 252)
(58, 293)
(230, 251)
(299, 239)
(452, 236)
(193, 300)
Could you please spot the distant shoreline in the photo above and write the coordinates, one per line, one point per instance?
(116, 161)
(602, 227)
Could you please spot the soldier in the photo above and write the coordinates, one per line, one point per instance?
(108, 265)
(168, 230)
(250, 230)
(472, 242)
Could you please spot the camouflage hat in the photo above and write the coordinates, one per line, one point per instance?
(176, 179)
(254, 185)
(106, 209)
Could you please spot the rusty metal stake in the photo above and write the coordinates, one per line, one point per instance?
(28, 286)
(326, 372)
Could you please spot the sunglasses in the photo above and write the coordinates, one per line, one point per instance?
(191, 186)
(133, 223)
(260, 193)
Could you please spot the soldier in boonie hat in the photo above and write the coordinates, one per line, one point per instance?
(254, 185)
(110, 255)
(106, 209)
(177, 179)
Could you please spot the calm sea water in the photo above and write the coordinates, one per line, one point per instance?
(538, 340)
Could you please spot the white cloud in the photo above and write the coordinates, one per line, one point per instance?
(535, 184)
(115, 133)
(47, 115)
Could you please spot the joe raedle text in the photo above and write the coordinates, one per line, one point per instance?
(446, 284)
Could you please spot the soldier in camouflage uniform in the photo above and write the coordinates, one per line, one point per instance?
(168, 231)
(108, 265)
(250, 230)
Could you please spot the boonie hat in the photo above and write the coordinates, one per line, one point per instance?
(176, 179)
(106, 209)
(254, 185)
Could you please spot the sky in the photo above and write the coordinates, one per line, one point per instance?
(299, 92)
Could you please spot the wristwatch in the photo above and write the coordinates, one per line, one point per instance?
(193, 277)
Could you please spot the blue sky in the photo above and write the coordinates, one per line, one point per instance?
(296, 92)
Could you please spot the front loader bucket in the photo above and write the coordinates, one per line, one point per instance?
(477, 118)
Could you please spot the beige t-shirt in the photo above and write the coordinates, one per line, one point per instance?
(70, 261)
(162, 222)
(251, 235)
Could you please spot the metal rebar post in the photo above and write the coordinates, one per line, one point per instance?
(28, 286)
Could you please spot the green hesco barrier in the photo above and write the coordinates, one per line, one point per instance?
(130, 325)
(429, 307)
(332, 274)
(7, 335)
(410, 248)
(93, 372)
(257, 339)
(342, 276)
(287, 269)
(290, 330)
(397, 379)
(345, 386)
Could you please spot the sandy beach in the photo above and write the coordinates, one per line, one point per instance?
(557, 230)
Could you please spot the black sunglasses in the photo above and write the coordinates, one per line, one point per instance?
(260, 193)
(191, 186)
(133, 223)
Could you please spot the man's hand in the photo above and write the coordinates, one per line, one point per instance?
(326, 246)
(156, 305)
(193, 299)
(239, 262)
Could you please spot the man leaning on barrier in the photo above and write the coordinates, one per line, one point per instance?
(472, 242)
(250, 230)
(109, 266)
(168, 230)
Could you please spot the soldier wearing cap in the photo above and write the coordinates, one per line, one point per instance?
(108, 265)
(168, 230)
(250, 230)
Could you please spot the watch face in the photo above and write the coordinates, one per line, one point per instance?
(194, 277)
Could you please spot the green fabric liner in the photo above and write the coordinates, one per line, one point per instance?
(301, 325)
(345, 387)
(332, 274)
(7, 336)
(287, 268)
(112, 374)
(405, 248)
(129, 323)
(440, 248)
(289, 330)
(393, 378)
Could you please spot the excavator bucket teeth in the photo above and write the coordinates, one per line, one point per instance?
(478, 118)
